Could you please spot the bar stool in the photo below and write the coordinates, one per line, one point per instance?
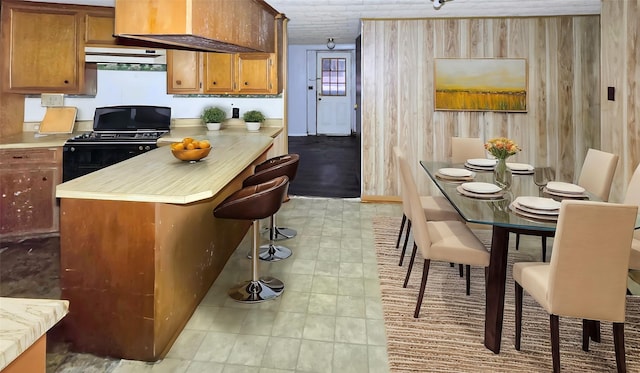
(255, 202)
(283, 165)
(291, 162)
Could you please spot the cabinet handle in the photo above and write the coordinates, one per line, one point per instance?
(66, 82)
(246, 83)
(17, 157)
(178, 82)
(44, 178)
(214, 83)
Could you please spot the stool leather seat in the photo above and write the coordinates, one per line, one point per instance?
(255, 202)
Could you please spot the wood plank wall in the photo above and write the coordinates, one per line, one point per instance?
(563, 118)
(620, 33)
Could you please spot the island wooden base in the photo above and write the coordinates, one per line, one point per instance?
(134, 272)
(33, 360)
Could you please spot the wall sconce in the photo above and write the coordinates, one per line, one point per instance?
(330, 43)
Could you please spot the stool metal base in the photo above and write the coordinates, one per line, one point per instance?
(274, 253)
(257, 291)
(284, 233)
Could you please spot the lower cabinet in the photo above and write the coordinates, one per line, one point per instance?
(28, 178)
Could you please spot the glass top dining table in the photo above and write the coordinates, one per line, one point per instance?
(496, 212)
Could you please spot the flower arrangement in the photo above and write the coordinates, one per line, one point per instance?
(502, 147)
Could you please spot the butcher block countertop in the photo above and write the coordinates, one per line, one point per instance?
(24, 321)
(157, 176)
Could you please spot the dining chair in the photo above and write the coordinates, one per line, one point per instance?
(448, 241)
(463, 148)
(579, 282)
(596, 177)
(435, 207)
(633, 198)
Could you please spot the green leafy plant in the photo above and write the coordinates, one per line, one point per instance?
(253, 116)
(213, 115)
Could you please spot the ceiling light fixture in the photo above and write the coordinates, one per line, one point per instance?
(330, 43)
(437, 4)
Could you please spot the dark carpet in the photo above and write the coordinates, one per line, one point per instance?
(329, 166)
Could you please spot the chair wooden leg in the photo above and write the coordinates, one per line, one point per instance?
(406, 240)
(518, 315)
(413, 257)
(595, 331)
(461, 270)
(554, 324)
(404, 220)
(423, 285)
(586, 334)
(618, 342)
(468, 279)
(544, 249)
(517, 241)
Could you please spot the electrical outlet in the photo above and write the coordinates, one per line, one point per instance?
(52, 99)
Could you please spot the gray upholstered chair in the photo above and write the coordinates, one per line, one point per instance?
(596, 177)
(448, 241)
(463, 148)
(435, 207)
(580, 281)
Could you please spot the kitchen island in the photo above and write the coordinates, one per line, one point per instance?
(140, 246)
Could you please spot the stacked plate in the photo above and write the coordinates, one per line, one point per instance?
(480, 190)
(536, 208)
(480, 164)
(566, 190)
(455, 174)
(520, 168)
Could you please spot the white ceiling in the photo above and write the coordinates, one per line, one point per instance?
(312, 22)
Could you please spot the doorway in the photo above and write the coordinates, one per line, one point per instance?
(334, 94)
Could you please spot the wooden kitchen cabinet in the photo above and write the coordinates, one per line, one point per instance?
(28, 178)
(98, 28)
(43, 49)
(191, 72)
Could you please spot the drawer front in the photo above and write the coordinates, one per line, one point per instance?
(30, 156)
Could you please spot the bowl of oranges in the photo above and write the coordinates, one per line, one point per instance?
(190, 149)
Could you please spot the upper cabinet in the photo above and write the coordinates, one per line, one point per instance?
(44, 49)
(190, 72)
(231, 26)
(99, 27)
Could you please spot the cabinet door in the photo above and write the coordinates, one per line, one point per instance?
(99, 28)
(43, 50)
(254, 73)
(183, 71)
(219, 73)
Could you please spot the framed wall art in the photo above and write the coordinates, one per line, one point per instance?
(481, 84)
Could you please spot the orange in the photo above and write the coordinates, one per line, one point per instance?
(178, 146)
(187, 140)
(191, 146)
(205, 144)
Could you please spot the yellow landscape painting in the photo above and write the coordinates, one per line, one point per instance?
(481, 84)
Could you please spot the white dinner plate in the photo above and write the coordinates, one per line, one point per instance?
(516, 210)
(455, 172)
(559, 186)
(520, 166)
(538, 203)
(482, 162)
(498, 195)
(481, 188)
(565, 195)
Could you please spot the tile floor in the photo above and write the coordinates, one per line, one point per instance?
(329, 318)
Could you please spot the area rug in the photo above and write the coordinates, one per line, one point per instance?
(448, 336)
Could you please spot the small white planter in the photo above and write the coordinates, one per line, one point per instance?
(253, 126)
(213, 126)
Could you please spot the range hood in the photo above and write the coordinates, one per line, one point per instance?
(230, 26)
(125, 55)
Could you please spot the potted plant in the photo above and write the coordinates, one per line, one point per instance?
(213, 117)
(253, 119)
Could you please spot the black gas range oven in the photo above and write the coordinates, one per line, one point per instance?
(119, 133)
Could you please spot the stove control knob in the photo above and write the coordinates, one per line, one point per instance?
(72, 149)
(147, 147)
(140, 147)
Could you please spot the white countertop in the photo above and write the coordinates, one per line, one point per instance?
(157, 176)
(23, 321)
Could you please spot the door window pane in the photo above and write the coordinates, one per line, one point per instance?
(334, 72)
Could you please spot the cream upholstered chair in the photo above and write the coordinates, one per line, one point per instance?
(596, 177)
(435, 207)
(633, 198)
(463, 148)
(447, 241)
(580, 281)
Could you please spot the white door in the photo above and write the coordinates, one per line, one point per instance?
(334, 106)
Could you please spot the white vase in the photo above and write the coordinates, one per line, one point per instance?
(213, 126)
(253, 126)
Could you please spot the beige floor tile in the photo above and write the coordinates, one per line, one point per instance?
(288, 324)
(350, 286)
(330, 242)
(303, 266)
(294, 301)
(163, 366)
(349, 358)
(327, 268)
(202, 318)
(351, 270)
(229, 368)
(351, 330)
(258, 322)
(215, 347)
(325, 285)
(315, 356)
(350, 306)
(322, 304)
(319, 328)
(228, 320)
(378, 359)
(328, 255)
(373, 308)
(248, 350)
(349, 255)
(204, 367)
(281, 353)
(376, 334)
(187, 344)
